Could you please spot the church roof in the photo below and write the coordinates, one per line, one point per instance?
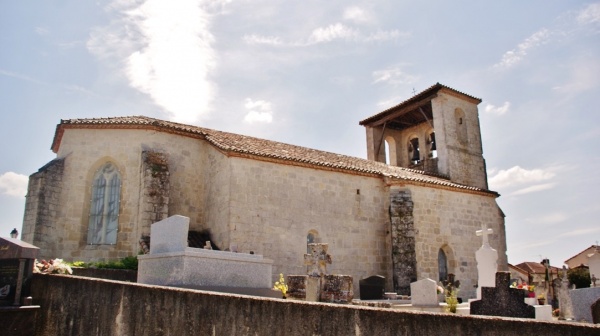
(410, 107)
(242, 145)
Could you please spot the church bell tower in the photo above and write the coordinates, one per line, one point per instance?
(436, 131)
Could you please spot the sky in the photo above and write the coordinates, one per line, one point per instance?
(306, 72)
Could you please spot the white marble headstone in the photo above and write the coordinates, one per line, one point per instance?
(169, 235)
(424, 293)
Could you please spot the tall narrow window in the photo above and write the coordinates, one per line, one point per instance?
(461, 126)
(311, 237)
(442, 265)
(104, 209)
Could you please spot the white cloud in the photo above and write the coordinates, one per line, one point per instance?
(580, 232)
(165, 50)
(583, 76)
(516, 176)
(257, 39)
(551, 218)
(42, 31)
(393, 75)
(591, 14)
(512, 57)
(13, 184)
(357, 15)
(259, 111)
(498, 110)
(332, 32)
(384, 35)
(534, 188)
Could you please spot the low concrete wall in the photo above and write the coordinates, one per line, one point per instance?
(107, 273)
(72, 305)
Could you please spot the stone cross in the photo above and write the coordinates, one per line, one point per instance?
(317, 259)
(484, 232)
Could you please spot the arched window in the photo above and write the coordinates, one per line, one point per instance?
(442, 265)
(104, 209)
(390, 151)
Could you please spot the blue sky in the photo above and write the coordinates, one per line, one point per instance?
(305, 72)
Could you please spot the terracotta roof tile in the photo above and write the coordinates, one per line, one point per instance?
(236, 143)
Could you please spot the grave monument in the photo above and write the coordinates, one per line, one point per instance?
(487, 261)
(317, 285)
(172, 263)
(17, 314)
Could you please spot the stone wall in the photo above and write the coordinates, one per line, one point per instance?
(448, 220)
(154, 190)
(80, 306)
(83, 151)
(42, 205)
(274, 206)
(404, 260)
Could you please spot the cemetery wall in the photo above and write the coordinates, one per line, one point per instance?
(86, 150)
(81, 306)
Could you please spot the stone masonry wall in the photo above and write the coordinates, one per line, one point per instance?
(72, 305)
(154, 196)
(86, 150)
(462, 161)
(448, 220)
(403, 240)
(41, 206)
(274, 206)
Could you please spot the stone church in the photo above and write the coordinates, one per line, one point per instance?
(408, 212)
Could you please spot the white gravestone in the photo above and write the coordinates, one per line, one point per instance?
(423, 293)
(487, 262)
(170, 235)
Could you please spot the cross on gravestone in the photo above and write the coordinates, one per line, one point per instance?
(317, 259)
(484, 232)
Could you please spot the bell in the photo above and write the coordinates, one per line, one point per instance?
(415, 156)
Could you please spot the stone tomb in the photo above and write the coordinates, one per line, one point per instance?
(502, 300)
(372, 288)
(17, 315)
(16, 267)
(172, 263)
(423, 293)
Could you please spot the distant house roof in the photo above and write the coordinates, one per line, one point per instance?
(588, 250)
(241, 145)
(518, 269)
(535, 267)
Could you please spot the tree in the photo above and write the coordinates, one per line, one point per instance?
(580, 277)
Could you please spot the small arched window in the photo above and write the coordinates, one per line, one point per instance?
(311, 238)
(104, 208)
(442, 265)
